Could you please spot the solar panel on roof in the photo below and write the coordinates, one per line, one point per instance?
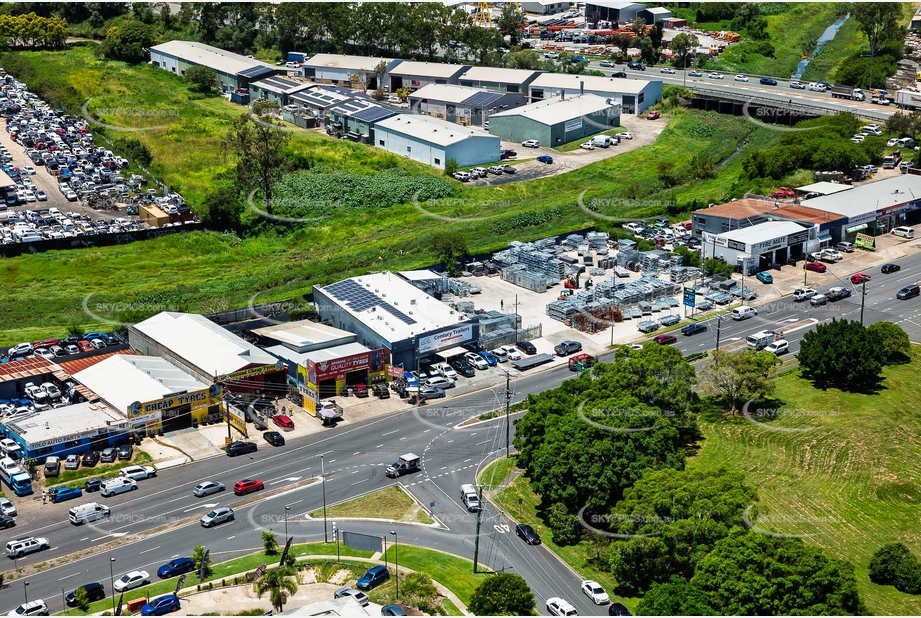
(482, 98)
(357, 298)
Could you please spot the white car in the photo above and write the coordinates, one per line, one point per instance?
(859, 137)
(560, 607)
(815, 87)
(531, 143)
(45, 353)
(30, 195)
(625, 135)
(394, 99)
(32, 608)
(595, 592)
(551, 55)
(132, 580)
(207, 488)
(446, 370)
(778, 347)
(29, 169)
(513, 352)
(803, 294)
(138, 473)
(7, 508)
(606, 63)
(893, 142)
(41, 196)
(587, 146)
(667, 71)
(741, 78)
(440, 382)
(715, 76)
(476, 360)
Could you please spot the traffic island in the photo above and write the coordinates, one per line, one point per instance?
(391, 503)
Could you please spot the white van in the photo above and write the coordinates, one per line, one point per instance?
(905, 232)
(603, 141)
(88, 512)
(760, 340)
(116, 486)
(743, 313)
(470, 497)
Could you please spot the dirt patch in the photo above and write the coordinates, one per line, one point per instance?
(340, 577)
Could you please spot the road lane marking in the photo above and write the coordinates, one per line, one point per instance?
(68, 577)
(147, 550)
(390, 432)
(362, 481)
(231, 537)
(293, 503)
(379, 446)
(483, 442)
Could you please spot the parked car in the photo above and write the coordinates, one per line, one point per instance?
(285, 422)
(431, 392)
(72, 462)
(138, 473)
(440, 382)
(7, 508)
(545, 159)
(393, 610)
(476, 360)
(653, 115)
(247, 486)
(132, 580)
(764, 277)
(587, 146)
(512, 352)
(489, 358)
(62, 494)
(161, 605)
(890, 268)
(625, 135)
(565, 348)
(175, 567)
(241, 448)
(531, 143)
(508, 169)
(108, 455)
(125, 451)
(594, 591)
(37, 607)
(274, 438)
(818, 267)
(94, 592)
(358, 595)
(560, 607)
(373, 577)
(527, 534)
(92, 485)
(527, 347)
(206, 488)
(91, 458)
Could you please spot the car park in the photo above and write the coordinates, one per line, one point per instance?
(161, 605)
(476, 360)
(560, 607)
(358, 595)
(890, 268)
(247, 486)
(527, 534)
(132, 580)
(594, 591)
(217, 516)
(512, 352)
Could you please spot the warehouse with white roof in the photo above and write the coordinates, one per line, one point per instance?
(434, 142)
(463, 105)
(759, 247)
(359, 72)
(633, 95)
(233, 70)
(556, 121)
(415, 75)
(153, 393)
(499, 79)
(386, 311)
(207, 351)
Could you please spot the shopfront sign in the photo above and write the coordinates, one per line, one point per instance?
(866, 217)
(448, 339)
(713, 239)
(195, 399)
(865, 241)
(797, 238)
(769, 245)
(373, 361)
(736, 245)
(251, 371)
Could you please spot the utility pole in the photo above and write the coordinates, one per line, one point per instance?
(508, 403)
(863, 298)
(323, 477)
(719, 323)
(476, 542)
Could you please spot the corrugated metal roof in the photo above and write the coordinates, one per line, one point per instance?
(825, 188)
(427, 69)
(749, 208)
(342, 61)
(365, 111)
(499, 76)
(73, 366)
(213, 57)
(280, 85)
(26, 368)
(871, 196)
(555, 111)
(79, 418)
(590, 83)
(457, 95)
(430, 129)
(763, 232)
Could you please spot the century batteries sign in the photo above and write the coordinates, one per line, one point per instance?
(447, 339)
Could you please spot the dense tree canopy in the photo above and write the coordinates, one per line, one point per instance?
(894, 565)
(842, 353)
(129, 42)
(736, 377)
(503, 594)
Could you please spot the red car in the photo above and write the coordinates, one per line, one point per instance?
(859, 278)
(360, 390)
(665, 339)
(85, 346)
(817, 267)
(783, 192)
(283, 421)
(653, 115)
(44, 343)
(247, 486)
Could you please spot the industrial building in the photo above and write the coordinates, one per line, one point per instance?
(15, 374)
(276, 89)
(653, 14)
(633, 95)
(208, 352)
(233, 70)
(760, 247)
(434, 142)
(463, 105)
(358, 72)
(416, 75)
(556, 121)
(385, 311)
(316, 102)
(500, 80)
(71, 430)
(823, 188)
(747, 212)
(323, 360)
(354, 119)
(615, 12)
(154, 395)
(545, 7)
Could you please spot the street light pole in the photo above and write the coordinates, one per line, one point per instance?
(112, 581)
(863, 298)
(287, 508)
(323, 477)
(336, 536)
(396, 551)
(719, 324)
(25, 588)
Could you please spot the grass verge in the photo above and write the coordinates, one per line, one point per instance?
(441, 567)
(388, 503)
(496, 472)
(850, 479)
(100, 471)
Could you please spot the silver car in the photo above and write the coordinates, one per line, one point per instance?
(358, 595)
(207, 488)
(219, 515)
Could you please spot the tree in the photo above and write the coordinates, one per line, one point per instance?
(198, 555)
(448, 246)
(683, 45)
(81, 598)
(143, 12)
(451, 167)
(894, 565)
(222, 209)
(892, 340)
(503, 594)
(565, 527)
(775, 576)
(257, 145)
(678, 597)
(166, 16)
(135, 150)
(878, 20)
(716, 267)
(841, 353)
(511, 22)
(736, 377)
(129, 42)
(279, 583)
(525, 59)
(269, 542)
(203, 78)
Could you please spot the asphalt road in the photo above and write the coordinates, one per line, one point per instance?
(354, 460)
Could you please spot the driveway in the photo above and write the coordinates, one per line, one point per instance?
(644, 132)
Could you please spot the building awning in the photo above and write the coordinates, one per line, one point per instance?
(856, 228)
(455, 351)
(825, 236)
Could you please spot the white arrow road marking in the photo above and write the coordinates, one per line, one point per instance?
(201, 506)
(117, 535)
(290, 479)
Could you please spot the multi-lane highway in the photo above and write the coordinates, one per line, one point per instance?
(354, 459)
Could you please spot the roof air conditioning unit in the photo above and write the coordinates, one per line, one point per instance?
(412, 301)
(410, 313)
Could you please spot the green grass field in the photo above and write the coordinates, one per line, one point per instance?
(207, 272)
(852, 481)
(390, 503)
(452, 571)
